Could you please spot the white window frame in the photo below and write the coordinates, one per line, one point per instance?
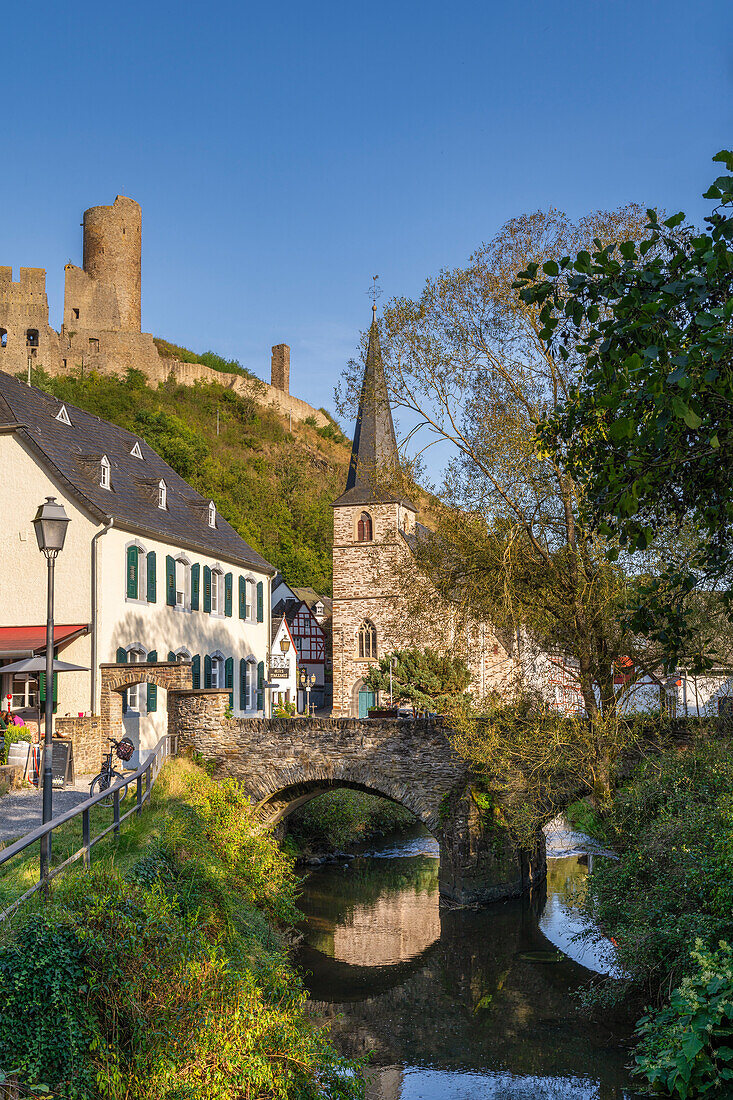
(217, 670)
(250, 695)
(217, 592)
(212, 514)
(105, 473)
(136, 655)
(185, 605)
(182, 654)
(250, 589)
(162, 495)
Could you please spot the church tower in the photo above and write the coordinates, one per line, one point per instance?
(371, 521)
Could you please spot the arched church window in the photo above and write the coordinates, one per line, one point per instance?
(367, 639)
(364, 528)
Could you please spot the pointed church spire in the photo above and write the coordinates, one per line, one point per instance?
(374, 451)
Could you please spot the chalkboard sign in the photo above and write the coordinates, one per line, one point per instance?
(62, 763)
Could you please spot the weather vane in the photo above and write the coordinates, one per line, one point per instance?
(375, 292)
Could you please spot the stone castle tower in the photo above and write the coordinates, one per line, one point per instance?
(101, 328)
(369, 523)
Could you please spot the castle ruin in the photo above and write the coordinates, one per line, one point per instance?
(101, 328)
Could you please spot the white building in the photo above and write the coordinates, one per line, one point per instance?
(283, 665)
(150, 570)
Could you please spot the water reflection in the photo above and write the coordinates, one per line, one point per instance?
(455, 1004)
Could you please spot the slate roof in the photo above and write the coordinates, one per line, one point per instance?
(74, 453)
(374, 449)
(310, 596)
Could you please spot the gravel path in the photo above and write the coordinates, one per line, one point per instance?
(20, 811)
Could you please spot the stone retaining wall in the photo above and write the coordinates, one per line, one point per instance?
(85, 735)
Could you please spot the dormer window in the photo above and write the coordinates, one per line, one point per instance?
(136, 452)
(63, 416)
(319, 609)
(212, 514)
(105, 473)
(162, 494)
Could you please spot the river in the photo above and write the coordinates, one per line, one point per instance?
(456, 1004)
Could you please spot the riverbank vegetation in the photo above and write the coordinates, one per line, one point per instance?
(164, 971)
(341, 818)
(667, 903)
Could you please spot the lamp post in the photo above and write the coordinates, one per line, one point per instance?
(50, 524)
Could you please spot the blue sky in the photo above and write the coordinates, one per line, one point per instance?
(283, 154)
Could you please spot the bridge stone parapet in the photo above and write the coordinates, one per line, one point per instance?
(283, 763)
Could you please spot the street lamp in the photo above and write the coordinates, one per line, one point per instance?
(50, 525)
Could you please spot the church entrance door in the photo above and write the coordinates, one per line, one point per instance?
(367, 699)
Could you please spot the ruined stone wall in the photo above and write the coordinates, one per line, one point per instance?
(102, 319)
(24, 329)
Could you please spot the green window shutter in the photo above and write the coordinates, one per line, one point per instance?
(196, 671)
(242, 598)
(229, 679)
(207, 589)
(42, 689)
(171, 655)
(228, 580)
(121, 656)
(242, 683)
(207, 671)
(170, 580)
(195, 582)
(131, 572)
(260, 602)
(152, 577)
(260, 685)
(152, 658)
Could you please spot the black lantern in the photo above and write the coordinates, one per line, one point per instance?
(50, 523)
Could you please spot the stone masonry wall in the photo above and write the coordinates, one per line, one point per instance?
(85, 735)
(283, 763)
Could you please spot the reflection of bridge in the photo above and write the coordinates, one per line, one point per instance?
(283, 763)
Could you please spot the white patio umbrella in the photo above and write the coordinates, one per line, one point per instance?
(38, 664)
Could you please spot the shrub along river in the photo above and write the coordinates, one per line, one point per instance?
(456, 1004)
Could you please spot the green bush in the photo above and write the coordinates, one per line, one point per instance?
(673, 883)
(13, 734)
(686, 1048)
(344, 817)
(166, 973)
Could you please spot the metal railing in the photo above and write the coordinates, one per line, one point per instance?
(167, 746)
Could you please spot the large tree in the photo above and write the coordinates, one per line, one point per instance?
(649, 425)
(468, 366)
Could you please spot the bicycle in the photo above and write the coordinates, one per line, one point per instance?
(109, 775)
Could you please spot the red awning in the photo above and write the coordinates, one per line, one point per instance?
(24, 641)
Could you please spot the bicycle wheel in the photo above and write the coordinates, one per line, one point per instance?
(102, 782)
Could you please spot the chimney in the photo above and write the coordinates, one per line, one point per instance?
(280, 367)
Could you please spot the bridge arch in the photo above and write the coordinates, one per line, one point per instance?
(294, 787)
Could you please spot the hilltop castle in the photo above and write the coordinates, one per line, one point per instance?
(101, 328)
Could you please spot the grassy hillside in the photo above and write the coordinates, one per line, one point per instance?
(274, 486)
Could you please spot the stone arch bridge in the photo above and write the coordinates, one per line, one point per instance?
(283, 763)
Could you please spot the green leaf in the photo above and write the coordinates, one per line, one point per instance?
(550, 267)
(691, 419)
